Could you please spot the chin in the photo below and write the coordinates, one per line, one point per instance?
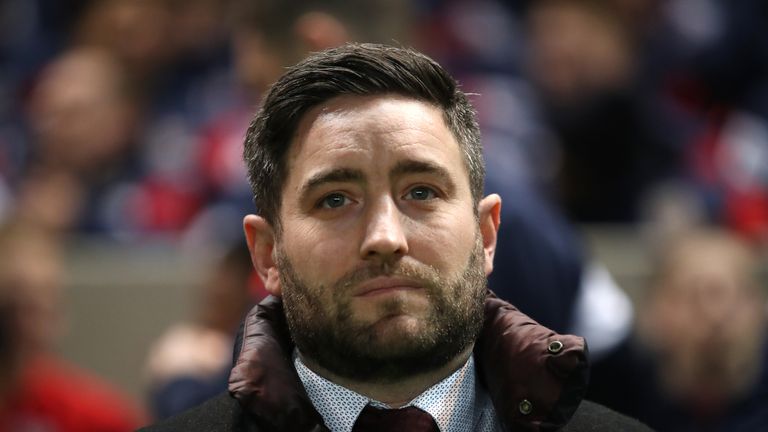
(398, 326)
(398, 333)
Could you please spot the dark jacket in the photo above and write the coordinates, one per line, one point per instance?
(521, 364)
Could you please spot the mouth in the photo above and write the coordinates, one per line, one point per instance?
(386, 285)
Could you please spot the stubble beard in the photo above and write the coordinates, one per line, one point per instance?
(357, 350)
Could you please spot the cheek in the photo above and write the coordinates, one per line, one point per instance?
(318, 255)
(445, 241)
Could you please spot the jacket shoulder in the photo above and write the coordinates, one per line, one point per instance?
(222, 413)
(592, 417)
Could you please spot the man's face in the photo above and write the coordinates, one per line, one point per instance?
(381, 260)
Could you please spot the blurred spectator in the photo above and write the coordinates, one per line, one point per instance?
(38, 391)
(190, 363)
(616, 141)
(703, 351)
(81, 89)
(83, 120)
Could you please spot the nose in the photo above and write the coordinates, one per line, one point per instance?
(384, 234)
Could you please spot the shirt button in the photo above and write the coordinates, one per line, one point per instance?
(525, 407)
(555, 347)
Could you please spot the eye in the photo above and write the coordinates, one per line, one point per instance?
(421, 193)
(334, 200)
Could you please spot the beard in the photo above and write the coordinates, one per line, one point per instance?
(355, 349)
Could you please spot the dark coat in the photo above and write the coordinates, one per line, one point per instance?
(519, 362)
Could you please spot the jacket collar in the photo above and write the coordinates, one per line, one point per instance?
(535, 377)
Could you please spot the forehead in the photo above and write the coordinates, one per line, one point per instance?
(382, 126)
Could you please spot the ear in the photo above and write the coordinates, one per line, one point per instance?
(489, 213)
(320, 30)
(260, 237)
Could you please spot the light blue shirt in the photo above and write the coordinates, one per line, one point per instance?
(458, 403)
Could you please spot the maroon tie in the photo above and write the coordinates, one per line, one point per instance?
(397, 420)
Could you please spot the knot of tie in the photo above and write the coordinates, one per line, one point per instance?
(400, 420)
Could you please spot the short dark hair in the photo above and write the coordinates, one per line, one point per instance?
(352, 69)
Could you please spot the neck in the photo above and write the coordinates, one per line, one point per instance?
(395, 393)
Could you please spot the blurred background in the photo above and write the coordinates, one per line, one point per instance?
(627, 138)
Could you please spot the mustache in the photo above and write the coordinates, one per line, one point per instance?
(422, 274)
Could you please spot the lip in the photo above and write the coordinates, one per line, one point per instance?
(386, 285)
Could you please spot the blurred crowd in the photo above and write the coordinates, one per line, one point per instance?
(124, 120)
(127, 115)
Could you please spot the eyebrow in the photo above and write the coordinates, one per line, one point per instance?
(336, 175)
(341, 175)
(423, 167)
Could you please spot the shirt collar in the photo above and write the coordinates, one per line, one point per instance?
(457, 403)
(338, 405)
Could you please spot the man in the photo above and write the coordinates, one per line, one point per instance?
(375, 241)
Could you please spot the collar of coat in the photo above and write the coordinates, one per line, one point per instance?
(535, 377)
